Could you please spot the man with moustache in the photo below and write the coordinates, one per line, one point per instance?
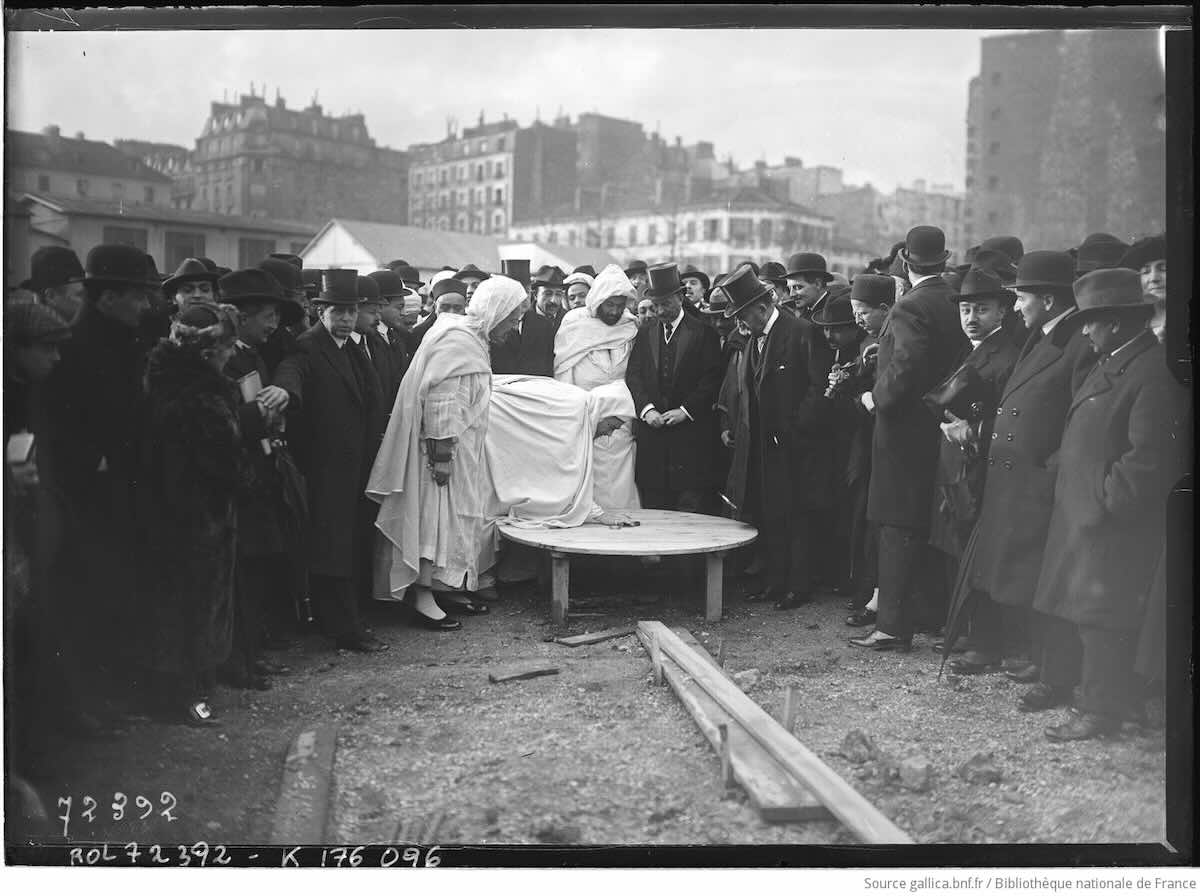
(549, 294)
(696, 285)
(390, 329)
(807, 278)
(56, 278)
(472, 277)
(192, 282)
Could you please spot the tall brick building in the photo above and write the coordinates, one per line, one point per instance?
(265, 160)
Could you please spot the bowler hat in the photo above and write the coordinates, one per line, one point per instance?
(997, 262)
(981, 282)
(114, 263)
(192, 269)
(389, 283)
(209, 263)
(516, 269)
(1099, 250)
(548, 275)
(471, 271)
(339, 287)
(1043, 268)
(408, 274)
(1009, 245)
(1108, 289)
(292, 285)
(294, 260)
(692, 271)
(873, 290)
(810, 263)
(251, 285)
(585, 269)
(664, 280)
(368, 289)
(835, 313)
(449, 285)
(1144, 251)
(924, 245)
(396, 263)
(743, 289)
(969, 256)
(773, 271)
(53, 266)
(718, 302)
(636, 266)
(27, 323)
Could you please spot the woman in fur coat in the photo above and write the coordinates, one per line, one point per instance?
(191, 478)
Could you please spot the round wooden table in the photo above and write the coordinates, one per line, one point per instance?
(661, 533)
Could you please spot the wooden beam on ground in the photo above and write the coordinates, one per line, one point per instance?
(303, 805)
(596, 637)
(851, 808)
(499, 677)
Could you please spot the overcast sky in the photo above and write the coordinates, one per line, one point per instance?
(886, 106)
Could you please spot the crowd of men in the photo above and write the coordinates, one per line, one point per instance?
(983, 449)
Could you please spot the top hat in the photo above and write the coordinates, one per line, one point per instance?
(516, 269)
(692, 271)
(339, 287)
(664, 280)
(1099, 250)
(191, 269)
(636, 266)
(1144, 251)
(389, 283)
(53, 266)
(773, 271)
(251, 285)
(997, 262)
(982, 282)
(449, 285)
(808, 263)
(873, 290)
(311, 278)
(407, 273)
(113, 263)
(835, 312)
(924, 245)
(548, 275)
(585, 269)
(1043, 268)
(743, 289)
(368, 290)
(1108, 289)
(27, 323)
(1009, 245)
(471, 271)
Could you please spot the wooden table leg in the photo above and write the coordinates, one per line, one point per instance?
(713, 586)
(560, 584)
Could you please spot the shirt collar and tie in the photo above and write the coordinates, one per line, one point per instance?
(670, 328)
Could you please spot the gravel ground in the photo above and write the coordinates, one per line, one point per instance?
(598, 754)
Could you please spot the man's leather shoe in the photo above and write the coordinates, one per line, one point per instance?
(876, 641)
(361, 644)
(465, 605)
(792, 600)
(1042, 697)
(972, 663)
(1025, 675)
(445, 624)
(859, 618)
(1084, 727)
(939, 646)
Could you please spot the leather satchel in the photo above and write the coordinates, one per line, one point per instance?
(962, 394)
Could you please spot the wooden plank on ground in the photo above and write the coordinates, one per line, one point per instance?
(596, 637)
(501, 676)
(851, 808)
(303, 804)
(772, 791)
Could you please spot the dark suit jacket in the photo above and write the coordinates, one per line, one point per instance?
(390, 360)
(530, 351)
(918, 347)
(1003, 559)
(335, 427)
(412, 340)
(676, 457)
(1125, 444)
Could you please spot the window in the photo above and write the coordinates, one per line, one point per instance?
(499, 147)
(764, 232)
(499, 169)
(993, 148)
(993, 183)
(127, 236)
(442, 177)
(118, 190)
(610, 237)
(995, 79)
(460, 223)
(552, 237)
(251, 251)
(499, 221)
(148, 194)
(571, 237)
(483, 146)
(632, 235)
(489, 168)
(256, 166)
(43, 183)
(712, 228)
(740, 230)
(179, 245)
(82, 186)
(417, 178)
(970, 131)
(652, 234)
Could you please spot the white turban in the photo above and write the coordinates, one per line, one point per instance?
(580, 277)
(495, 299)
(609, 282)
(438, 278)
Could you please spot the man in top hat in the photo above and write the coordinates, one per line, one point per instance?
(528, 349)
(808, 280)
(1099, 251)
(336, 421)
(917, 349)
(191, 282)
(968, 420)
(1123, 448)
(88, 451)
(768, 406)
(578, 286)
(292, 311)
(639, 276)
(395, 324)
(56, 278)
(695, 284)
(472, 277)
(549, 294)
(673, 375)
(1000, 562)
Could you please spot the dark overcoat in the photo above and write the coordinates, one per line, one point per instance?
(960, 477)
(389, 357)
(334, 429)
(1004, 554)
(529, 351)
(680, 457)
(1125, 444)
(920, 341)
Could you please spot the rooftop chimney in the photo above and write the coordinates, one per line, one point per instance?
(79, 135)
(51, 133)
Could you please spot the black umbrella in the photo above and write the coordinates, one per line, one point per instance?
(962, 602)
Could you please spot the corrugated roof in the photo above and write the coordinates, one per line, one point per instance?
(90, 157)
(102, 208)
(426, 249)
(576, 256)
